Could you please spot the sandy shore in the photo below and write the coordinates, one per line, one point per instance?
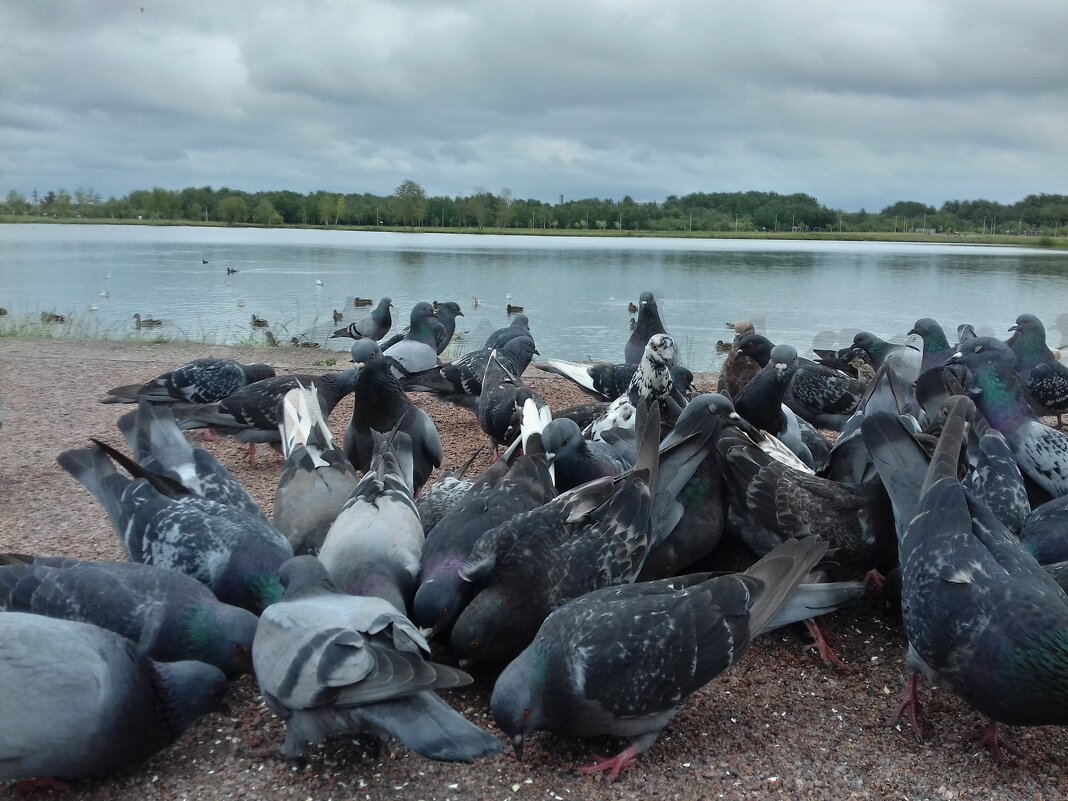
(779, 724)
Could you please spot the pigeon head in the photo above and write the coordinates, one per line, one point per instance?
(934, 338)
(561, 436)
(258, 372)
(1028, 340)
(519, 350)
(756, 347)
(683, 379)
(448, 310)
(784, 359)
(662, 349)
(992, 381)
(516, 702)
(439, 599)
(220, 635)
(421, 311)
(364, 351)
(186, 691)
(488, 629)
(304, 575)
(646, 299)
(709, 412)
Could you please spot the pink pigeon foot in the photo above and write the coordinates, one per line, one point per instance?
(991, 738)
(909, 709)
(821, 641)
(613, 765)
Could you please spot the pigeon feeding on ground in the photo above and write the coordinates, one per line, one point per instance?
(374, 326)
(331, 664)
(649, 324)
(169, 615)
(80, 701)
(620, 661)
(381, 405)
(982, 617)
(158, 445)
(317, 478)
(251, 415)
(200, 381)
(234, 553)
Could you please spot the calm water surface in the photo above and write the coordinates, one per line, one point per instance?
(575, 290)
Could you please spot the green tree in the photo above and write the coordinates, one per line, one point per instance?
(63, 206)
(233, 209)
(265, 213)
(339, 209)
(326, 209)
(16, 203)
(411, 203)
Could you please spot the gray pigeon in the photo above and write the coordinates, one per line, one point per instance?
(169, 615)
(520, 326)
(418, 350)
(317, 478)
(204, 380)
(1044, 377)
(577, 460)
(158, 445)
(621, 660)
(445, 315)
(441, 497)
(993, 382)
(460, 381)
(649, 324)
(374, 326)
(381, 405)
(500, 404)
(982, 616)
(234, 553)
(331, 664)
(79, 701)
(375, 545)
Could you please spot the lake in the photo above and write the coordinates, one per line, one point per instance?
(574, 289)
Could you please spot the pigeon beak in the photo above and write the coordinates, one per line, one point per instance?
(550, 458)
(464, 663)
(537, 352)
(517, 744)
(780, 368)
(913, 331)
(1013, 328)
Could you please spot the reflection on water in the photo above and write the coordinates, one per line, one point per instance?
(575, 290)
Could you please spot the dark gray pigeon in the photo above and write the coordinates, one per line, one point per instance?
(500, 404)
(1047, 387)
(873, 348)
(418, 350)
(234, 553)
(169, 615)
(381, 405)
(982, 617)
(936, 348)
(331, 664)
(460, 381)
(649, 324)
(158, 445)
(252, 415)
(499, 494)
(620, 661)
(520, 326)
(577, 460)
(375, 545)
(374, 326)
(595, 536)
(993, 382)
(317, 478)
(201, 381)
(79, 701)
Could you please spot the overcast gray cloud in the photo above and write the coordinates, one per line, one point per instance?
(859, 104)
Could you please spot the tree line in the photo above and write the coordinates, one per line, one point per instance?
(410, 206)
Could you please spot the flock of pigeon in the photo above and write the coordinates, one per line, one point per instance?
(574, 569)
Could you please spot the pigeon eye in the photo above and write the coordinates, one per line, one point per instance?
(472, 645)
(443, 611)
(240, 650)
(526, 714)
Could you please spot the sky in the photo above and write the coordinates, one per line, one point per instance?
(859, 104)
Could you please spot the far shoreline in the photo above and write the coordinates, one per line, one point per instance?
(1044, 242)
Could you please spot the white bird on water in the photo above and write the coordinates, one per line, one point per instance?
(318, 281)
(104, 294)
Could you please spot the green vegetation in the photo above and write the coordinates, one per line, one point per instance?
(725, 214)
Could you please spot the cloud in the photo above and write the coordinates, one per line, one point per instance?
(857, 104)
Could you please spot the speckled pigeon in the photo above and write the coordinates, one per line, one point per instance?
(994, 384)
(169, 615)
(317, 478)
(608, 381)
(234, 553)
(982, 617)
(204, 380)
(332, 664)
(652, 382)
(158, 445)
(1043, 376)
(438, 499)
(620, 661)
(460, 381)
(80, 701)
(381, 405)
(374, 326)
(649, 324)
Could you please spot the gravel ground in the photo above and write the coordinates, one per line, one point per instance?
(779, 724)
